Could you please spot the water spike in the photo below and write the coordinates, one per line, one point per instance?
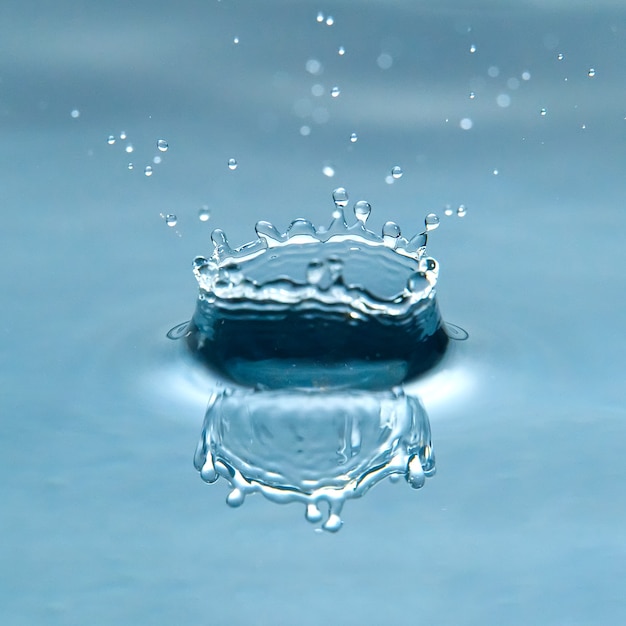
(340, 197)
(415, 473)
(431, 221)
(269, 232)
(391, 232)
(313, 514)
(362, 210)
(417, 242)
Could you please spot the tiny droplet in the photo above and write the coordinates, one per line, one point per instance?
(148, 170)
(431, 221)
(162, 145)
(320, 17)
(335, 91)
(362, 210)
(341, 51)
(340, 197)
(461, 210)
(354, 137)
(472, 49)
(232, 164)
(75, 113)
(591, 73)
(111, 140)
(560, 56)
(396, 172)
(472, 95)
(330, 20)
(171, 220)
(129, 148)
(543, 112)
(130, 166)
(236, 40)
(204, 213)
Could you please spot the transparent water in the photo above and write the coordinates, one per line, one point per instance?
(104, 519)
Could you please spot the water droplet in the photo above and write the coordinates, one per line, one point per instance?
(354, 138)
(330, 20)
(162, 145)
(232, 164)
(466, 123)
(123, 135)
(391, 230)
(313, 66)
(329, 171)
(461, 210)
(111, 140)
(317, 90)
(131, 166)
(526, 75)
(335, 91)
(389, 179)
(75, 113)
(340, 197)
(493, 71)
(129, 148)
(148, 170)
(313, 514)
(236, 40)
(235, 498)
(591, 73)
(543, 112)
(333, 523)
(396, 172)
(472, 95)
(560, 56)
(305, 131)
(431, 221)
(362, 210)
(170, 219)
(384, 61)
(512, 83)
(320, 17)
(472, 49)
(495, 172)
(204, 213)
(448, 210)
(503, 100)
(341, 51)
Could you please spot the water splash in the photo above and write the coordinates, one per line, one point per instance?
(319, 449)
(329, 307)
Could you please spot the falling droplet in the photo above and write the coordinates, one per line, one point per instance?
(591, 73)
(396, 172)
(129, 148)
(472, 95)
(362, 210)
(333, 523)
(560, 56)
(313, 514)
(329, 171)
(543, 112)
(111, 140)
(204, 213)
(170, 219)
(156, 159)
(320, 17)
(431, 221)
(75, 113)
(341, 51)
(162, 145)
(123, 135)
(235, 498)
(340, 197)
(148, 170)
(236, 40)
(131, 166)
(391, 233)
(335, 91)
(472, 49)
(354, 138)
(461, 210)
(330, 20)
(232, 164)
(495, 172)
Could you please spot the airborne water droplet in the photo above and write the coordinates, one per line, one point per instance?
(472, 49)
(461, 210)
(560, 56)
(130, 166)
(129, 148)
(204, 213)
(396, 171)
(111, 140)
(472, 95)
(341, 51)
(335, 91)
(591, 73)
(330, 20)
(354, 138)
(162, 145)
(362, 210)
(448, 210)
(75, 113)
(148, 170)
(320, 17)
(232, 164)
(543, 112)
(340, 197)
(431, 221)
(329, 171)
(171, 220)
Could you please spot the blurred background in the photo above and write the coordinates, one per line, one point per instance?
(517, 111)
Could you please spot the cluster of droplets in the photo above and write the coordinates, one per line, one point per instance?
(161, 144)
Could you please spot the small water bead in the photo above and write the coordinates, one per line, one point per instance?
(148, 170)
(236, 40)
(396, 172)
(111, 140)
(232, 164)
(129, 148)
(320, 17)
(204, 213)
(391, 229)
(305, 131)
(341, 51)
(335, 91)
(75, 113)
(431, 221)
(495, 172)
(472, 95)
(123, 135)
(472, 49)
(340, 197)
(131, 166)
(560, 56)
(543, 112)
(330, 20)
(362, 210)
(170, 219)
(461, 210)
(162, 145)
(466, 123)
(354, 138)
(156, 159)
(313, 66)
(526, 75)
(591, 73)
(329, 171)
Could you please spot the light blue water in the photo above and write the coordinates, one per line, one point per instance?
(104, 519)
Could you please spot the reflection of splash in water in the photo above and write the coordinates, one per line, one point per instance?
(316, 325)
(312, 447)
